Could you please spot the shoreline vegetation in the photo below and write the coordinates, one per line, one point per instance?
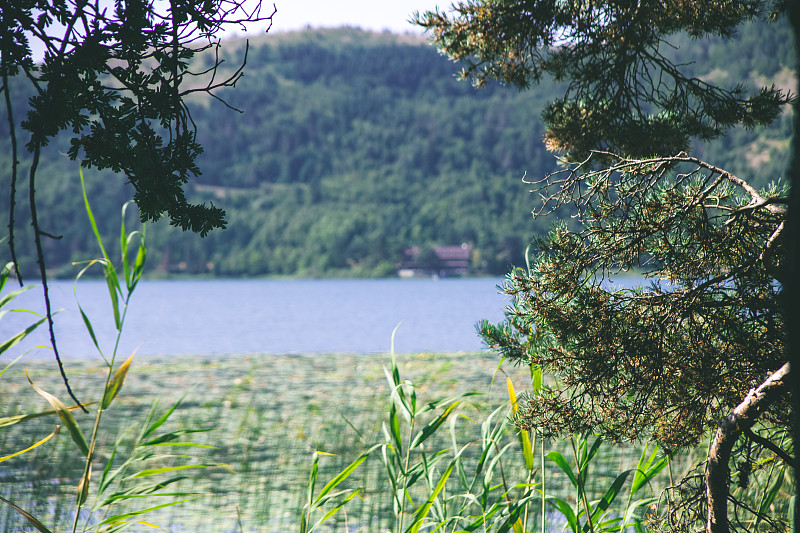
(268, 415)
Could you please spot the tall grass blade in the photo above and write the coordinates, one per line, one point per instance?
(83, 486)
(5, 273)
(646, 470)
(566, 510)
(124, 242)
(13, 341)
(108, 267)
(11, 420)
(113, 288)
(431, 428)
(344, 474)
(598, 441)
(630, 513)
(141, 491)
(90, 214)
(33, 521)
(312, 479)
(167, 439)
(9, 365)
(149, 429)
(394, 426)
(154, 471)
(423, 511)
(562, 463)
(514, 518)
(537, 379)
(610, 495)
(522, 434)
(29, 448)
(9, 296)
(769, 496)
(88, 324)
(124, 516)
(336, 509)
(131, 275)
(66, 417)
(115, 383)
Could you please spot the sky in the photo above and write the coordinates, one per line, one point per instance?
(377, 15)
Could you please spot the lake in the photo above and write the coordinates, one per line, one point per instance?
(217, 317)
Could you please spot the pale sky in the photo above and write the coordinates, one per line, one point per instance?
(375, 15)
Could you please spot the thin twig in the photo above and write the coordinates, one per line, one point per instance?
(14, 162)
(37, 235)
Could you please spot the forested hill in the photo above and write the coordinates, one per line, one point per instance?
(353, 146)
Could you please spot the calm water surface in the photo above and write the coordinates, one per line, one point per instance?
(216, 317)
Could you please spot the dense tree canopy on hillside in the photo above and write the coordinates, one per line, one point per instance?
(339, 163)
(707, 338)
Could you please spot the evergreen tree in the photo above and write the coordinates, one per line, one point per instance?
(704, 345)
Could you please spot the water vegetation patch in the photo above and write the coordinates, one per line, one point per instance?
(268, 415)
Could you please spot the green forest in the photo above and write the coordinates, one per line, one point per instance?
(352, 146)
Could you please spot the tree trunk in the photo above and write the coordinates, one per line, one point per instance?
(792, 285)
(728, 431)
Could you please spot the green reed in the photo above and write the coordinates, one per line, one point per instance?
(138, 471)
(493, 488)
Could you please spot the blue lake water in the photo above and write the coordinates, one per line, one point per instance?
(217, 317)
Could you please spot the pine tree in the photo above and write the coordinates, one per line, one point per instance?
(702, 348)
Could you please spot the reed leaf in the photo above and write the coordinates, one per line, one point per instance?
(148, 428)
(108, 268)
(329, 514)
(646, 470)
(431, 428)
(630, 513)
(394, 427)
(10, 364)
(124, 516)
(154, 471)
(5, 273)
(344, 474)
(312, 483)
(83, 486)
(514, 520)
(140, 491)
(90, 214)
(115, 383)
(13, 341)
(66, 417)
(537, 379)
(108, 476)
(562, 463)
(16, 419)
(769, 495)
(133, 275)
(31, 447)
(522, 434)
(587, 457)
(423, 511)
(6, 298)
(566, 510)
(31, 519)
(167, 439)
(609, 496)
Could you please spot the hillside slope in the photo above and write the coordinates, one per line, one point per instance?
(353, 146)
